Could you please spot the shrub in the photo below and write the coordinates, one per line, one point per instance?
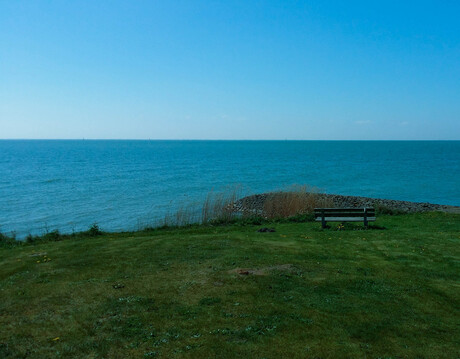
(93, 231)
(30, 238)
(4, 237)
(52, 236)
(8, 241)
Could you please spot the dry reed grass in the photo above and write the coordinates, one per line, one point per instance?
(296, 200)
(219, 206)
(185, 215)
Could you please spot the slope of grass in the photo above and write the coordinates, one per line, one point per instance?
(231, 292)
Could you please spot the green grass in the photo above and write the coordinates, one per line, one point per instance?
(304, 292)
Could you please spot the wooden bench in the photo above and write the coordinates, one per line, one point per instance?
(324, 215)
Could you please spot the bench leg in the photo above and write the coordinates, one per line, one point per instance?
(323, 222)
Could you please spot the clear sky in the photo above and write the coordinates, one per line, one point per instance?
(230, 69)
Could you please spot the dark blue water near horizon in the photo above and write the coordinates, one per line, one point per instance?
(122, 185)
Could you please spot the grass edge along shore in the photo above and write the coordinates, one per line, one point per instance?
(295, 204)
(223, 289)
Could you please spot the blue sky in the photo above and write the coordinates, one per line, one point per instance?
(230, 69)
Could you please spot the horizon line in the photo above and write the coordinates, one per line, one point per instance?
(209, 139)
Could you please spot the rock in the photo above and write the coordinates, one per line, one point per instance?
(255, 204)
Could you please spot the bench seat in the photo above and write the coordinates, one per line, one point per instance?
(345, 219)
(364, 215)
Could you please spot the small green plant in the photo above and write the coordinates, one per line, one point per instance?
(53, 236)
(30, 238)
(93, 231)
(4, 237)
(7, 241)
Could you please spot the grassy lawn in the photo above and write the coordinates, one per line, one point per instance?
(231, 292)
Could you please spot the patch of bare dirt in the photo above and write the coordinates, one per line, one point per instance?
(261, 271)
(38, 254)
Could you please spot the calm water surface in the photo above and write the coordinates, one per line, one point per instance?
(123, 185)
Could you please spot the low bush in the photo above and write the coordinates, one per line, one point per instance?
(93, 231)
(7, 241)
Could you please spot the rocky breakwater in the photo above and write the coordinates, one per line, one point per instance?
(255, 203)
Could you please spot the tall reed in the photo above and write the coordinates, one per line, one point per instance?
(219, 206)
(296, 200)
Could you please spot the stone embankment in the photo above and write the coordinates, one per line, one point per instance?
(255, 203)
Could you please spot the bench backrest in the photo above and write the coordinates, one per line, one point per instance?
(344, 212)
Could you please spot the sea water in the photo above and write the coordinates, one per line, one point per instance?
(125, 185)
